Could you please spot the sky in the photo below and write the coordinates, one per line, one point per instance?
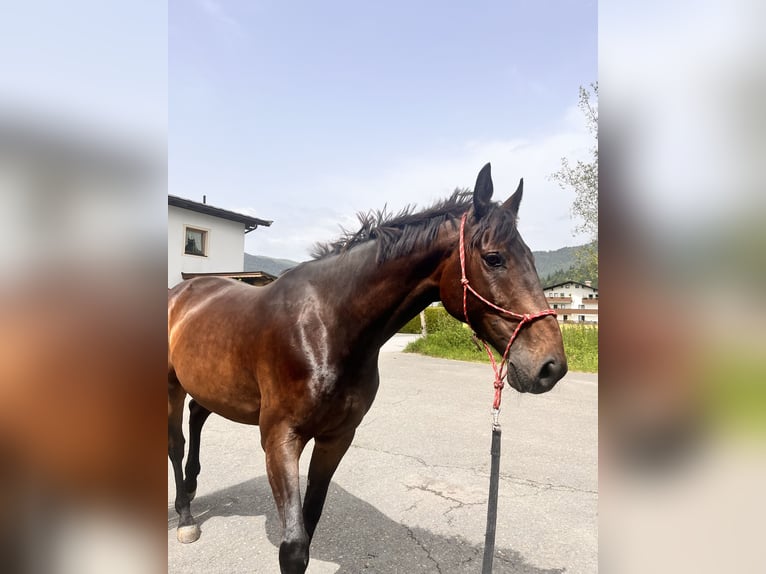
(306, 113)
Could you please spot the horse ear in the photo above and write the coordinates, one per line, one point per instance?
(514, 201)
(482, 192)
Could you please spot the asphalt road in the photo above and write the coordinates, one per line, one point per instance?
(410, 495)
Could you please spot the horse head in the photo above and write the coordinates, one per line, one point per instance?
(496, 285)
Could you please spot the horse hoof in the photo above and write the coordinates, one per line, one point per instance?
(188, 534)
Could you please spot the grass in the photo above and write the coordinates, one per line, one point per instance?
(581, 347)
(452, 340)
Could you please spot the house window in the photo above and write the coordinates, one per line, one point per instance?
(582, 318)
(195, 242)
(582, 306)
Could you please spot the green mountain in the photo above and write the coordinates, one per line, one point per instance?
(548, 262)
(268, 265)
(573, 273)
(561, 265)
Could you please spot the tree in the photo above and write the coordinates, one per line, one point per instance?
(583, 179)
(572, 273)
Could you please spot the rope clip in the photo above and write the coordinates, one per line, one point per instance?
(495, 419)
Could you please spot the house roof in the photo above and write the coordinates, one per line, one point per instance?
(250, 222)
(252, 277)
(569, 282)
(571, 311)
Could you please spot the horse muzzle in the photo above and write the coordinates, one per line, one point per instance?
(541, 379)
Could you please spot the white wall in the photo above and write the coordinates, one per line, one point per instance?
(225, 244)
(579, 295)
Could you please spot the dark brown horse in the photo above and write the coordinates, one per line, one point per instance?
(299, 357)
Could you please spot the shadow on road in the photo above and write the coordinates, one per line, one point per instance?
(355, 535)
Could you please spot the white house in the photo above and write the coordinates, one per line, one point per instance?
(573, 301)
(203, 239)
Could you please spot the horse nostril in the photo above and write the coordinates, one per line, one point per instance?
(547, 370)
(552, 371)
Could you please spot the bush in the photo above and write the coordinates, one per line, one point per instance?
(437, 319)
(451, 341)
(412, 327)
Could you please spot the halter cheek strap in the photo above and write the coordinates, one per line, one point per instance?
(524, 319)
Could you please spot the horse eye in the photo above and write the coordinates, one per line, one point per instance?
(493, 259)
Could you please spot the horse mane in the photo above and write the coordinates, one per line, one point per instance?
(401, 233)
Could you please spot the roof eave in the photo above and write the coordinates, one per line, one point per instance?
(250, 222)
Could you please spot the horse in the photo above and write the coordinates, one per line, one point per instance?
(299, 357)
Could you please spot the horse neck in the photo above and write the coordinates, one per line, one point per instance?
(379, 298)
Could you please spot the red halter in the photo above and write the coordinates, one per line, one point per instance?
(501, 371)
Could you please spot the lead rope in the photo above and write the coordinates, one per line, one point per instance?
(500, 372)
(494, 481)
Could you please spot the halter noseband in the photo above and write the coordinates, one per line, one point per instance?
(524, 319)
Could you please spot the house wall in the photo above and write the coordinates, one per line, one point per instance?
(580, 296)
(225, 244)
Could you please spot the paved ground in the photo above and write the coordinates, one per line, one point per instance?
(410, 495)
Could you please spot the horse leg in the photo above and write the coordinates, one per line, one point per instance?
(324, 461)
(197, 417)
(283, 449)
(187, 531)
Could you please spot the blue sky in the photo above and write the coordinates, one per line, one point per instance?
(308, 112)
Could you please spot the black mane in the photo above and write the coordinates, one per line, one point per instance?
(402, 233)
